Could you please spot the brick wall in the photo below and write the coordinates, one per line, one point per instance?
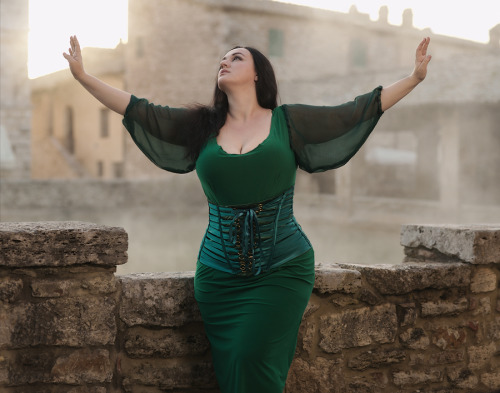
(69, 324)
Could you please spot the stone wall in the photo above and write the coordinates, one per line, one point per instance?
(69, 324)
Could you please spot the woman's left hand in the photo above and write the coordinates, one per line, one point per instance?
(421, 60)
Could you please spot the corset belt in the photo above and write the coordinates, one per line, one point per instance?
(253, 239)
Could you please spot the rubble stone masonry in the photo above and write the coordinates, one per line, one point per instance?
(69, 324)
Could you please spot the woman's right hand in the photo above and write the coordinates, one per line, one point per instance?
(74, 58)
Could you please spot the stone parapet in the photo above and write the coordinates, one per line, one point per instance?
(52, 244)
(69, 324)
(476, 244)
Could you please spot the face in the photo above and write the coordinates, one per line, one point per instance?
(236, 68)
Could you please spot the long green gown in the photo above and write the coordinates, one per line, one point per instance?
(252, 321)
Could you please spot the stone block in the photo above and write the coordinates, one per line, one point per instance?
(376, 359)
(462, 378)
(408, 277)
(83, 366)
(493, 329)
(417, 377)
(331, 278)
(447, 337)
(480, 356)
(414, 338)
(483, 280)
(318, 375)
(476, 244)
(10, 289)
(103, 284)
(407, 314)
(50, 366)
(447, 357)
(158, 299)
(72, 322)
(491, 380)
(482, 306)
(165, 343)
(357, 328)
(442, 307)
(168, 375)
(61, 244)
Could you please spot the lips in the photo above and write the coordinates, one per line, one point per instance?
(223, 71)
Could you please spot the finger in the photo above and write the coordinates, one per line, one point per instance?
(77, 44)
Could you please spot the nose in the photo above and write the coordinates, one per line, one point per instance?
(223, 64)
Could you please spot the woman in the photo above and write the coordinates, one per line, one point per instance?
(255, 269)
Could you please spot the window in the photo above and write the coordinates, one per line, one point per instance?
(104, 122)
(69, 138)
(358, 51)
(276, 43)
(100, 169)
(139, 47)
(118, 169)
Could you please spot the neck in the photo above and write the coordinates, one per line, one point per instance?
(242, 104)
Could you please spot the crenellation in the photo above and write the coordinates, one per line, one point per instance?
(78, 326)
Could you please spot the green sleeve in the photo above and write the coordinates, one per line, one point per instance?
(160, 133)
(326, 137)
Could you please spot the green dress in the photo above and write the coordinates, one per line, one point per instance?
(252, 321)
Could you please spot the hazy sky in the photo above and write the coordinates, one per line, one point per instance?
(103, 23)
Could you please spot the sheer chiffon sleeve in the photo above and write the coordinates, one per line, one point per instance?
(160, 132)
(326, 137)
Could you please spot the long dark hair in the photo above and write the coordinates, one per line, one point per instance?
(207, 120)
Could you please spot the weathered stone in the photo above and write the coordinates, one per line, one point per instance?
(79, 366)
(165, 343)
(409, 277)
(493, 329)
(462, 378)
(472, 243)
(491, 380)
(4, 370)
(407, 314)
(310, 308)
(444, 337)
(83, 366)
(370, 383)
(417, 359)
(88, 389)
(414, 338)
(158, 299)
(165, 374)
(10, 289)
(331, 278)
(404, 378)
(483, 280)
(81, 286)
(61, 244)
(307, 334)
(480, 355)
(441, 307)
(376, 359)
(318, 375)
(357, 328)
(482, 306)
(447, 357)
(71, 322)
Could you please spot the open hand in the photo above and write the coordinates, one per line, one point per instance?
(421, 60)
(74, 58)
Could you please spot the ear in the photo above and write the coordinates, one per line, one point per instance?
(256, 78)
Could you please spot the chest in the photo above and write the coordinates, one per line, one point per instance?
(241, 138)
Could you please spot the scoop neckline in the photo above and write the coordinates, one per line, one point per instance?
(256, 147)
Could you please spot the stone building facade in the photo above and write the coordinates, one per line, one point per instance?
(422, 150)
(75, 136)
(15, 105)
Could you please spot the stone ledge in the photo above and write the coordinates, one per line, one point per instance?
(409, 277)
(476, 244)
(61, 243)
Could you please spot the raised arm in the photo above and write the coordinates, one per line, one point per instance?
(115, 99)
(395, 92)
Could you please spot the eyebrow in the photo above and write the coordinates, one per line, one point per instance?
(234, 54)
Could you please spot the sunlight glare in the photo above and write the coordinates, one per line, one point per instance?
(96, 23)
